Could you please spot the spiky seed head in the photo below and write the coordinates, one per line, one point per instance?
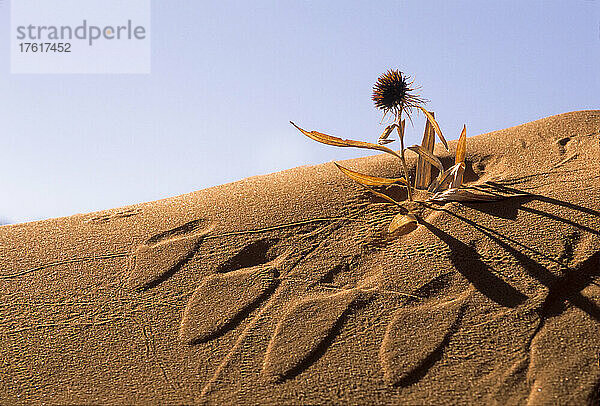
(392, 93)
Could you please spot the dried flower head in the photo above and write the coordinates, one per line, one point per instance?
(392, 93)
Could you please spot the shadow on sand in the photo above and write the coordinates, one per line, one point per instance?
(566, 287)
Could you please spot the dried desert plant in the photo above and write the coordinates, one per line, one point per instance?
(393, 94)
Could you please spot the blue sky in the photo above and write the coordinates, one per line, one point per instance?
(227, 76)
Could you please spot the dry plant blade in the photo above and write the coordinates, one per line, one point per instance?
(464, 195)
(338, 142)
(458, 175)
(368, 180)
(403, 223)
(433, 187)
(383, 139)
(401, 128)
(443, 179)
(382, 195)
(423, 177)
(461, 147)
(435, 125)
(428, 156)
(360, 179)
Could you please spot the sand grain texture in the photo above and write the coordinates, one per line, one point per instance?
(286, 288)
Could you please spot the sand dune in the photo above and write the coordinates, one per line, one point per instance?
(286, 289)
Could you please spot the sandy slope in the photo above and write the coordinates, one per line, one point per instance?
(286, 289)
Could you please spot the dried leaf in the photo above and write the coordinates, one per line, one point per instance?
(383, 196)
(369, 180)
(423, 176)
(458, 175)
(338, 142)
(436, 126)
(403, 223)
(433, 187)
(383, 139)
(461, 147)
(400, 129)
(443, 179)
(464, 195)
(432, 159)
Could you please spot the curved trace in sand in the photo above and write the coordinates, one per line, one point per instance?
(305, 330)
(223, 300)
(162, 255)
(91, 258)
(406, 358)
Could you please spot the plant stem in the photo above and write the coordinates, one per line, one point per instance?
(404, 166)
